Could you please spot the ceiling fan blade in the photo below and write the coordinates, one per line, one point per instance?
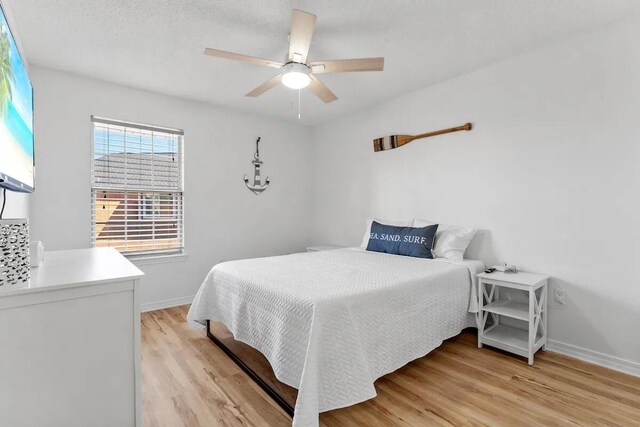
(302, 26)
(347, 65)
(321, 91)
(269, 84)
(244, 58)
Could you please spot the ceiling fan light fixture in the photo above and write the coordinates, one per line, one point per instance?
(296, 76)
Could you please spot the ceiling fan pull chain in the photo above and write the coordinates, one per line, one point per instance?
(299, 115)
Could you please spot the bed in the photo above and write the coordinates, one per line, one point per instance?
(330, 323)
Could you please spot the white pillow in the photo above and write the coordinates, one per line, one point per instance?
(451, 240)
(367, 233)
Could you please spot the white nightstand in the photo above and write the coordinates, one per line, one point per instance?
(508, 338)
(319, 248)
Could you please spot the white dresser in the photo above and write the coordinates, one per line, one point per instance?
(70, 343)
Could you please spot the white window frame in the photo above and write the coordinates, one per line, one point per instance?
(178, 195)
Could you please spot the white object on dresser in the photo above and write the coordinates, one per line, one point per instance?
(319, 248)
(508, 338)
(36, 251)
(70, 343)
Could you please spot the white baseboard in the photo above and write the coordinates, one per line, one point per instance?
(166, 303)
(611, 362)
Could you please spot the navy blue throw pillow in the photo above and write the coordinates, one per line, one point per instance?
(409, 241)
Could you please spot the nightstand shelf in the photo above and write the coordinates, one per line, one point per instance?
(513, 340)
(493, 332)
(513, 309)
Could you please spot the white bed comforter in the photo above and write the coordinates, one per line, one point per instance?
(332, 322)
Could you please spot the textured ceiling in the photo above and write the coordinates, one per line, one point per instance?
(157, 44)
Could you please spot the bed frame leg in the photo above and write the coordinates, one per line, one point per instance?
(251, 373)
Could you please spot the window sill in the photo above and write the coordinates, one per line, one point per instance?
(157, 259)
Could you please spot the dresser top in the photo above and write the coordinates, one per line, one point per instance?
(74, 268)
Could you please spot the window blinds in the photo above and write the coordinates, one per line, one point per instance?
(137, 187)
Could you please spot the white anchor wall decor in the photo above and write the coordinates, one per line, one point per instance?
(257, 187)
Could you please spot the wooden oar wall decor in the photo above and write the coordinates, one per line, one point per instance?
(395, 141)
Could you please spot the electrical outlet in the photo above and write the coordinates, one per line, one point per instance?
(560, 296)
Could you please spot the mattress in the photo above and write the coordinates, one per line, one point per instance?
(332, 322)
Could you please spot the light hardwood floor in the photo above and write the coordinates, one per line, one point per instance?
(188, 381)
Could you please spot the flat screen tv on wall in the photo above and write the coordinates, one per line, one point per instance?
(17, 171)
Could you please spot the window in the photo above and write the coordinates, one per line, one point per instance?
(158, 206)
(137, 188)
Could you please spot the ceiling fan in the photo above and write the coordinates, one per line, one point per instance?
(296, 72)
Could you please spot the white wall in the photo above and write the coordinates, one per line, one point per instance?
(551, 171)
(223, 219)
(17, 205)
